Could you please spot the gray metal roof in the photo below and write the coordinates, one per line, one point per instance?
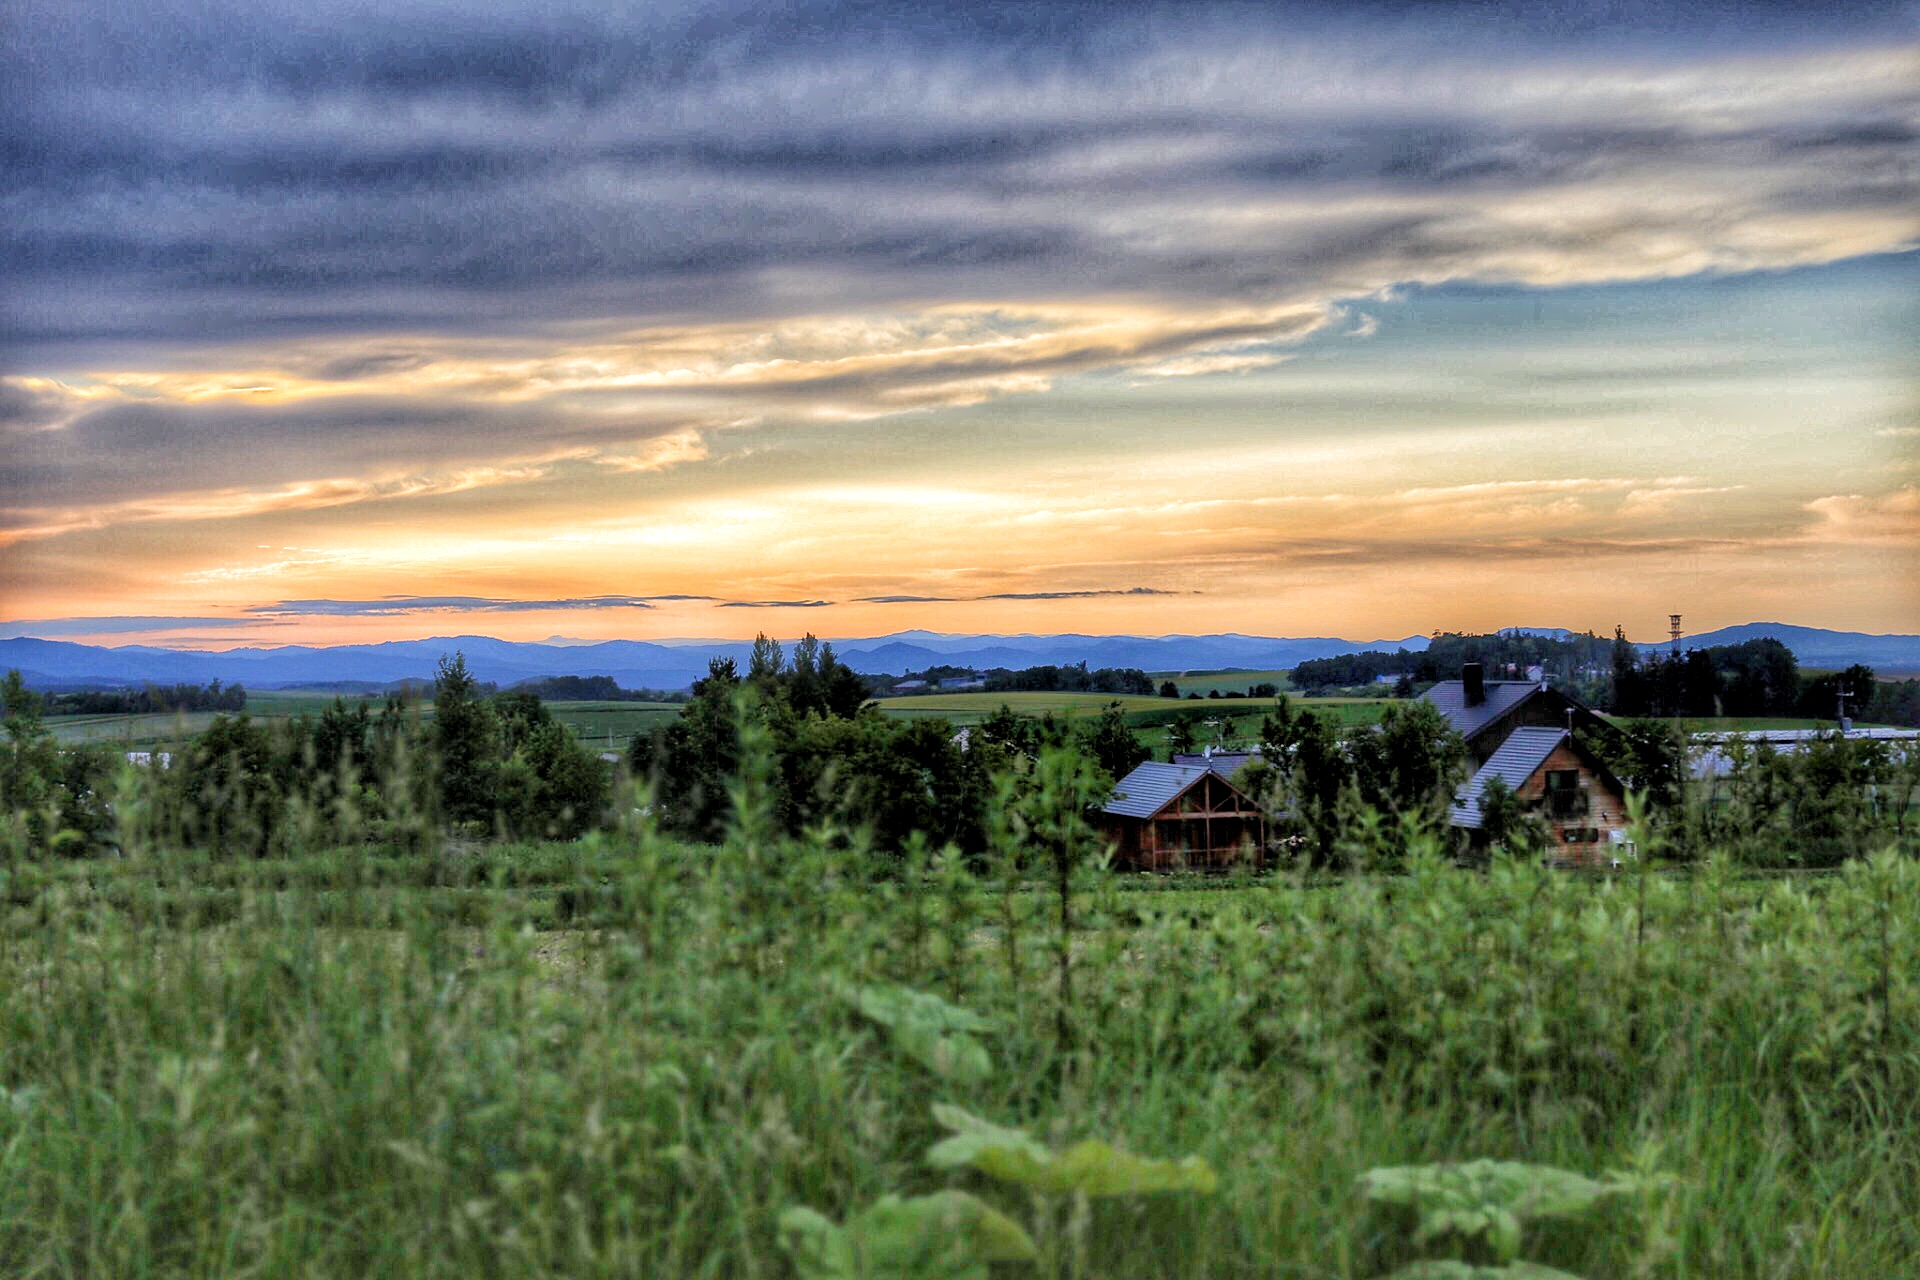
(1150, 786)
(1450, 698)
(1518, 759)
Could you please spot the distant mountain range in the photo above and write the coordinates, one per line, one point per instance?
(674, 664)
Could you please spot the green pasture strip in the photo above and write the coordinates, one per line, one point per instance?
(597, 723)
(971, 708)
(1205, 682)
(135, 732)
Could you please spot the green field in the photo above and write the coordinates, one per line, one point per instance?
(611, 725)
(592, 721)
(631, 1057)
(1205, 682)
(972, 708)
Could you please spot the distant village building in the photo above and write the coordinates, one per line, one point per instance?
(1711, 756)
(1165, 817)
(1527, 735)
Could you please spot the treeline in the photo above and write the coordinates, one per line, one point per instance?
(483, 765)
(795, 732)
(591, 689)
(1572, 662)
(1895, 702)
(1754, 678)
(1041, 679)
(147, 699)
(1073, 679)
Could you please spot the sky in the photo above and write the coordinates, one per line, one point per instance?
(340, 322)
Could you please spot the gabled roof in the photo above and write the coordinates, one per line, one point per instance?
(1151, 787)
(1449, 697)
(1518, 759)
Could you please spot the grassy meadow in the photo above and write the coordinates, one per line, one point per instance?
(1225, 682)
(593, 722)
(628, 1056)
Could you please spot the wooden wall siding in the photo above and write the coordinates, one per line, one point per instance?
(1208, 827)
(1607, 810)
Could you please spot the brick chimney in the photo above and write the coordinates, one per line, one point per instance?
(1473, 681)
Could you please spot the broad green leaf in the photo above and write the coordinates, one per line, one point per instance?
(1097, 1169)
(928, 1029)
(1092, 1168)
(949, 1235)
(1489, 1199)
(891, 1006)
(1451, 1270)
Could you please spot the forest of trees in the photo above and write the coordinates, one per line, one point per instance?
(1572, 663)
(1040, 679)
(147, 700)
(591, 689)
(834, 758)
(1073, 679)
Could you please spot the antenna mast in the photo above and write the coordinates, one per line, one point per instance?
(1673, 632)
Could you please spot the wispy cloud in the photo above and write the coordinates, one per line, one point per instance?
(1094, 594)
(120, 624)
(400, 606)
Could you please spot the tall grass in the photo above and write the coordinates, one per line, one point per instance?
(316, 1066)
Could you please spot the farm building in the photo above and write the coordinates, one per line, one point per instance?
(1551, 773)
(1527, 735)
(1164, 817)
(1710, 756)
(1485, 711)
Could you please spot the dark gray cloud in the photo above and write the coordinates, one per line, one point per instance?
(193, 171)
(776, 604)
(130, 450)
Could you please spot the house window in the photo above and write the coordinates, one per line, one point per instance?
(1564, 797)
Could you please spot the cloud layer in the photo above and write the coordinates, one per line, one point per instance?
(380, 282)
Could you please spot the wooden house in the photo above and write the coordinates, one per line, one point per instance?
(1484, 712)
(1530, 736)
(1553, 775)
(1165, 817)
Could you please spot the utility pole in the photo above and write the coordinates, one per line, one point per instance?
(1844, 693)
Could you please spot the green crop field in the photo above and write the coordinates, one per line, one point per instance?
(610, 725)
(971, 708)
(1205, 682)
(135, 733)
